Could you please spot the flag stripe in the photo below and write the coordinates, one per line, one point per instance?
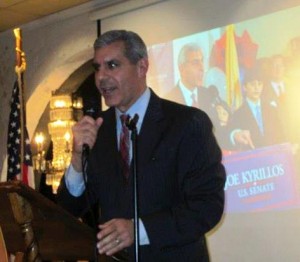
(14, 143)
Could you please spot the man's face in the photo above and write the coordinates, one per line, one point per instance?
(118, 80)
(191, 70)
(278, 69)
(253, 90)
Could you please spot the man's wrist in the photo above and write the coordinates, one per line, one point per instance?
(76, 161)
(74, 181)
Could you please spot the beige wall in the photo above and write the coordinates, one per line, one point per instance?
(53, 52)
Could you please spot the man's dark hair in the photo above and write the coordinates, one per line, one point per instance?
(135, 48)
(253, 73)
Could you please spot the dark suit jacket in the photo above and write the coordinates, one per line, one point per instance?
(270, 97)
(180, 177)
(273, 132)
(287, 105)
(205, 98)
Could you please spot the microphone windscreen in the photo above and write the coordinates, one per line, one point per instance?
(91, 106)
(213, 91)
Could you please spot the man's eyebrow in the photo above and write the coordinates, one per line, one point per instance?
(95, 65)
(113, 60)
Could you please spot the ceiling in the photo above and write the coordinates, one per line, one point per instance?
(15, 13)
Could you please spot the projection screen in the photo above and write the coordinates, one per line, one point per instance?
(247, 47)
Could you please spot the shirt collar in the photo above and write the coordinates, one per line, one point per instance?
(139, 108)
(187, 93)
(253, 105)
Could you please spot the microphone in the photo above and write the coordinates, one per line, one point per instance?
(213, 91)
(214, 95)
(91, 107)
(131, 122)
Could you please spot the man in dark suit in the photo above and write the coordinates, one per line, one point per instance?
(256, 123)
(282, 92)
(283, 95)
(275, 90)
(189, 89)
(180, 175)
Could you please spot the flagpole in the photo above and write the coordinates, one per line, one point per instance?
(20, 69)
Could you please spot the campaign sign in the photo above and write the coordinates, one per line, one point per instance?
(261, 179)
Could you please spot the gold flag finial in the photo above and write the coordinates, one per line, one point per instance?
(20, 55)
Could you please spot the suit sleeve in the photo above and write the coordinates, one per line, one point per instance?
(74, 205)
(201, 178)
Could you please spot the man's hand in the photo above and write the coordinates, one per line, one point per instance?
(84, 132)
(115, 235)
(243, 137)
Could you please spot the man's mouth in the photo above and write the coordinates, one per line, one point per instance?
(107, 87)
(107, 90)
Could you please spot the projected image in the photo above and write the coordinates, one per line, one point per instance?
(245, 77)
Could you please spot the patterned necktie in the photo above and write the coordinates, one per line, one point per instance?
(258, 117)
(281, 94)
(194, 101)
(125, 147)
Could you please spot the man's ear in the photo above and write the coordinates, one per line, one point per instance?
(142, 67)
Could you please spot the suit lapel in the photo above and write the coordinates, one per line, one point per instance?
(108, 137)
(151, 132)
(150, 135)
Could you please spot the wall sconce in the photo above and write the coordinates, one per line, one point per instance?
(39, 162)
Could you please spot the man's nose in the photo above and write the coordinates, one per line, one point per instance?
(101, 73)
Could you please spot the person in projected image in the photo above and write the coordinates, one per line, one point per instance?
(256, 123)
(220, 117)
(189, 89)
(276, 88)
(222, 126)
(283, 93)
(292, 105)
(180, 174)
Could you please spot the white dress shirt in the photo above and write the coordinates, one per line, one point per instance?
(188, 94)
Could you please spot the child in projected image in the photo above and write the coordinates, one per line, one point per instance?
(220, 116)
(222, 126)
(256, 123)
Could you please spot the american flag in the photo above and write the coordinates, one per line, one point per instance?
(14, 143)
